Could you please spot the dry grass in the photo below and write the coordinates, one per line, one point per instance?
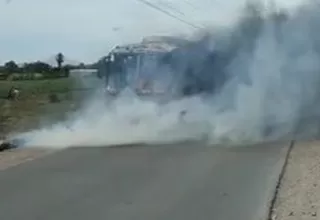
(29, 114)
(35, 106)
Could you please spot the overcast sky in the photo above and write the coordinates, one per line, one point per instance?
(84, 30)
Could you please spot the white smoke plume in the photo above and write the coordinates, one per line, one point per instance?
(267, 74)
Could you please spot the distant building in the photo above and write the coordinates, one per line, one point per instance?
(83, 72)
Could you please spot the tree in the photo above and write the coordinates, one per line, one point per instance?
(82, 66)
(11, 67)
(60, 59)
(37, 67)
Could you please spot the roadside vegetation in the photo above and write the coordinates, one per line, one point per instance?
(30, 88)
(46, 94)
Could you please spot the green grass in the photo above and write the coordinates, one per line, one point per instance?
(33, 107)
(38, 87)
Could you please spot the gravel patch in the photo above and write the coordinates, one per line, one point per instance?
(15, 157)
(299, 193)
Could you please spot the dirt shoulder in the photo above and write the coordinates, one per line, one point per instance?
(299, 193)
(15, 157)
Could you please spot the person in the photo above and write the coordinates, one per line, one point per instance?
(13, 93)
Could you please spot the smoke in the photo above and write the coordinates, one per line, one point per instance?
(255, 80)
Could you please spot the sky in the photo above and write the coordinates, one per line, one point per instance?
(85, 30)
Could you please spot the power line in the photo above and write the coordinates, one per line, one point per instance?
(169, 14)
(191, 5)
(170, 6)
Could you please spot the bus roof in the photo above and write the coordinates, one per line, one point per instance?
(150, 45)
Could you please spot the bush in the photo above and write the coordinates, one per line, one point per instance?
(54, 98)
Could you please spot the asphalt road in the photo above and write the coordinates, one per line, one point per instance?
(181, 182)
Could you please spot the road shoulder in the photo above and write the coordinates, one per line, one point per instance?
(299, 193)
(14, 157)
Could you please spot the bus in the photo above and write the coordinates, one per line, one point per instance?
(139, 67)
(165, 66)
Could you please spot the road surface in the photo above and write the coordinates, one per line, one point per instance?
(181, 182)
